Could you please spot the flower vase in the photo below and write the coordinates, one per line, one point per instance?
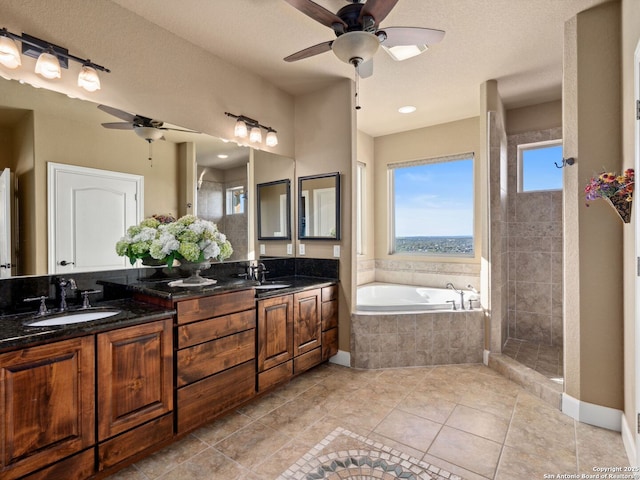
(194, 268)
(620, 204)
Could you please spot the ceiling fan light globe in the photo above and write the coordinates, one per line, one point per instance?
(48, 66)
(9, 55)
(88, 78)
(149, 134)
(356, 44)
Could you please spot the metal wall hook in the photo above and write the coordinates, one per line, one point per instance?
(565, 162)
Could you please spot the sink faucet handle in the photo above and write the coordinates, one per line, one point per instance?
(42, 309)
(85, 297)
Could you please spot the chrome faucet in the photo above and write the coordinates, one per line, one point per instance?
(450, 285)
(63, 284)
(259, 272)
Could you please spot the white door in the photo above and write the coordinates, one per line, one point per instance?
(89, 211)
(636, 428)
(324, 212)
(5, 223)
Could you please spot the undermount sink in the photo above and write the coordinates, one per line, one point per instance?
(72, 317)
(271, 285)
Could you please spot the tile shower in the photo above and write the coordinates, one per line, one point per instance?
(534, 250)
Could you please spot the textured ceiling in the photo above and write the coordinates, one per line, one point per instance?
(516, 42)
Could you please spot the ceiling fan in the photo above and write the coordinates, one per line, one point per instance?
(146, 128)
(358, 32)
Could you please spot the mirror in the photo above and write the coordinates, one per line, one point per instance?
(38, 126)
(274, 207)
(319, 207)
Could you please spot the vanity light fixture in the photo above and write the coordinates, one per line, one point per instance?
(248, 126)
(51, 59)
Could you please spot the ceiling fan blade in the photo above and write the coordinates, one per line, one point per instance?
(177, 129)
(365, 69)
(118, 125)
(317, 12)
(310, 52)
(411, 36)
(126, 116)
(378, 9)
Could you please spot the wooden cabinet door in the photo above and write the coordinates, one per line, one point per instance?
(135, 376)
(306, 320)
(275, 331)
(46, 404)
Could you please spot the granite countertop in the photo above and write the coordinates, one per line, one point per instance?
(15, 334)
(162, 289)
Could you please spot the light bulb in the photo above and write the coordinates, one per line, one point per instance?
(88, 78)
(241, 129)
(9, 55)
(256, 135)
(48, 66)
(272, 139)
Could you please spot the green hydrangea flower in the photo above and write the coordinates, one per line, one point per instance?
(189, 251)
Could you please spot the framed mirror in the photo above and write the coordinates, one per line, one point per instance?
(274, 210)
(319, 207)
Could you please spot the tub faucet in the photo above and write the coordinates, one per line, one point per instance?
(450, 285)
(63, 284)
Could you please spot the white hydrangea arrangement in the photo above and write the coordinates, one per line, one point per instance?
(189, 238)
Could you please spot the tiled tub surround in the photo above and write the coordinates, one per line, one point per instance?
(416, 339)
(422, 273)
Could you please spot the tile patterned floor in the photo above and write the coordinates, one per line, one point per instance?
(545, 359)
(467, 420)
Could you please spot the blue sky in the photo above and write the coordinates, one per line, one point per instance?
(540, 173)
(434, 199)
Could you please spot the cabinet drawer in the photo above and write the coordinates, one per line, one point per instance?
(275, 375)
(200, 332)
(78, 467)
(215, 305)
(330, 293)
(202, 360)
(329, 343)
(329, 314)
(134, 441)
(201, 401)
(307, 360)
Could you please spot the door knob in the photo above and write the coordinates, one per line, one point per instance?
(64, 263)
(5, 265)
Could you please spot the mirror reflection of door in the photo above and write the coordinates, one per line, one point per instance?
(89, 211)
(324, 219)
(273, 210)
(5, 223)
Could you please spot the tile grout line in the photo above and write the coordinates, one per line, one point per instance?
(506, 434)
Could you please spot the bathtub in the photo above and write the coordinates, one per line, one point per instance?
(386, 297)
(403, 325)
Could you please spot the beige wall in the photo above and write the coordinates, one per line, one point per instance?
(593, 236)
(330, 146)
(630, 41)
(536, 117)
(366, 261)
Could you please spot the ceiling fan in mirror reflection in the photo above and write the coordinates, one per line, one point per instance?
(146, 128)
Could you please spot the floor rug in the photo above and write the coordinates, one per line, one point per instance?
(344, 455)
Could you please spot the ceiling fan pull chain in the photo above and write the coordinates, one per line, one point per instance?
(150, 155)
(357, 89)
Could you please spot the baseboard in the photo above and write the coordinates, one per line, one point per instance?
(485, 357)
(597, 415)
(341, 358)
(628, 440)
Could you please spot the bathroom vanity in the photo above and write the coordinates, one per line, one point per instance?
(84, 400)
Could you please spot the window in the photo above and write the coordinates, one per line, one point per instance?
(235, 200)
(432, 211)
(536, 169)
(361, 185)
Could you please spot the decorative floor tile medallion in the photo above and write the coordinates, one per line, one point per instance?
(344, 455)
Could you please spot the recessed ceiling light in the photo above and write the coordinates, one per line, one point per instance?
(222, 155)
(407, 109)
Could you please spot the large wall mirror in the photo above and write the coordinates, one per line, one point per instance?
(38, 127)
(319, 207)
(274, 210)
